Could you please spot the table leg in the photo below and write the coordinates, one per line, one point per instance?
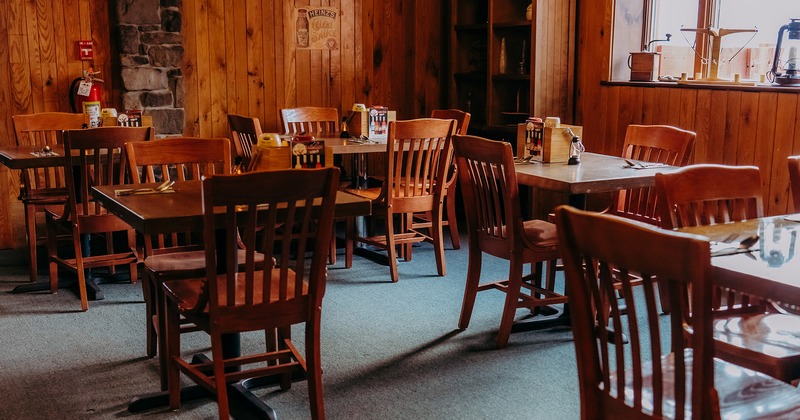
(577, 200)
(358, 173)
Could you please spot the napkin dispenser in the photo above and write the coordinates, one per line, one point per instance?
(546, 144)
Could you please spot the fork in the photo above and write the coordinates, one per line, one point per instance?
(730, 238)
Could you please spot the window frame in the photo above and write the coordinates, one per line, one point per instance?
(706, 10)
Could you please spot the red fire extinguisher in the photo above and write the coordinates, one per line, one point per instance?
(86, 96)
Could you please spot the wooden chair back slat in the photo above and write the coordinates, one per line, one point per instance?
(311, 120)
(462, 118)
(657, 144)
(43, 129)
(709, 194)
(244, 132)
(418, 154)
(284, 198)
(599, 252)
(98, 158)
(489, 181)
(179, 159)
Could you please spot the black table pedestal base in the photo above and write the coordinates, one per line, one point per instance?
(93, 291)
(241, 402)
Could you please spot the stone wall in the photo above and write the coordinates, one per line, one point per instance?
(151, 53)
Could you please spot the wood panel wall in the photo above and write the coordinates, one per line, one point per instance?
(736, 127)
(38, 61)
(241, 59)
(733, 127)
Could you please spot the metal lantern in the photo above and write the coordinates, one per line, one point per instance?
(790, 75)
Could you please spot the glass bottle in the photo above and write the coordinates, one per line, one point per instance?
(302, 28)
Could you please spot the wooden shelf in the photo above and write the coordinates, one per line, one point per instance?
(471, 27)
(472, 76)
(512, 77)
(547, 54)
(521, 25)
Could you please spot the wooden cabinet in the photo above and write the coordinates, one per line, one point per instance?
(537, 77)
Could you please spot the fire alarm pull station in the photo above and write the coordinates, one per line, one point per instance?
(85, 51)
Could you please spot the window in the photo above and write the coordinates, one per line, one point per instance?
(748, 53)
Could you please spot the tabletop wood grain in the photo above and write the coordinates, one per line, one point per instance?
(23, 157)
(771, 271)
(182, 210)
(595, 174)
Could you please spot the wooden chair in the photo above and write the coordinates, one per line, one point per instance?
(93, 157)
(179, 255)
(645, 381)
(315, 121)
(311, 120)
(656, 144)
(274, 296)
(743, 334)
(244, 132)
(495, 226)
(424, 220)
(418, 156)
(794, 179)
(41, 187)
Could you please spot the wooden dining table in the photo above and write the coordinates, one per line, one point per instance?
(182, 210)
(770, 269)
(27, 157)
(596, 173)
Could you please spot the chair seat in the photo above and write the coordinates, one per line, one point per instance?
(370, 193)
(540, 233)
(186, 261)
(45, 196)
(743, 393)
(56, 211)
(187, 293)
(773, 338)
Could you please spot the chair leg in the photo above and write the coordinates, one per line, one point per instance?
(390, 248)
(450, 203)
(314, 367)
(163, 327)
(149, 313)
(134, 266)
(510, 307)
(471, 288)
(663, 296)
(52, 253)
(438, 240)
(30, 232)
(76, 243)
(219, 376)
(172, 338)
(285, 333)
(332, 249)
(406, 220)
(350, 231)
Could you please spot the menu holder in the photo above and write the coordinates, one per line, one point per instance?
(372, 123)
(145, 121)
(297, 154)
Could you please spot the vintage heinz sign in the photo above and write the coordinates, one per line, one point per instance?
(317, 28)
